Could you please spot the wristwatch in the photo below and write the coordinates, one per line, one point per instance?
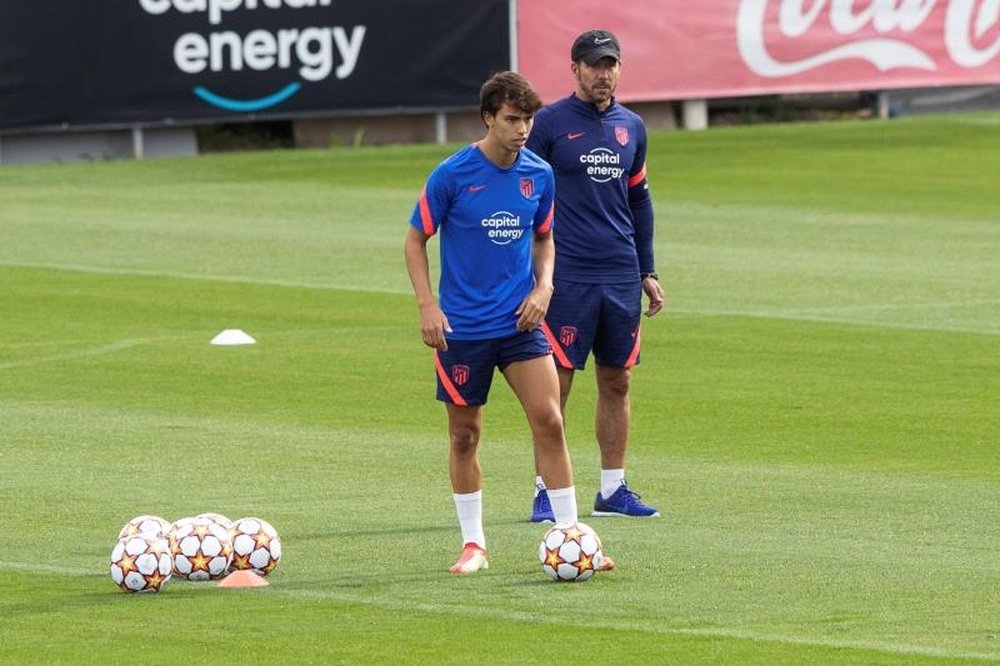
(652, 275)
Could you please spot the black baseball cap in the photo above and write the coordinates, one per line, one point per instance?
(593, 45)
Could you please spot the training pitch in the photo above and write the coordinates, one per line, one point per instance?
(817, 412)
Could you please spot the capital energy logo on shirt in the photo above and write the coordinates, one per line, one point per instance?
(603, 164)
(503, 227)
(309, 54)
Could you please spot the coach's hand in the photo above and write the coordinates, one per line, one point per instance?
(657, 297)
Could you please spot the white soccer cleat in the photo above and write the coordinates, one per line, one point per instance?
(473, 559)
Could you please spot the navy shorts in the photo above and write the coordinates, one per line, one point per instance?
(465, 371)
(603, 318)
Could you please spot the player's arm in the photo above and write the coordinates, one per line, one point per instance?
(431, 208)
(433, 322)
(532, 310)
(641, 205)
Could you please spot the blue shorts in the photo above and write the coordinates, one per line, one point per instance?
(603, 318)
(465, 371)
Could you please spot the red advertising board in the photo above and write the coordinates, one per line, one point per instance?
(692, 49)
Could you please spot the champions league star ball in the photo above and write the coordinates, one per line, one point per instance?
(570, 552)
(217, 518)
(256, 546)
(201, 548)
(141, 562)
(143, 524)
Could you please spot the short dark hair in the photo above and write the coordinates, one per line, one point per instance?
(510, 88)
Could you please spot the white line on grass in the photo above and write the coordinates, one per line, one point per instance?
(177, 275)
(32, 567)
(797, 314)
(83, 353)
(521, 616)
(878, 307)
(804, 315)
(719, 632)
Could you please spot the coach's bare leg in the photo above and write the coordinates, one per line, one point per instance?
(614, 415)
(565, 385)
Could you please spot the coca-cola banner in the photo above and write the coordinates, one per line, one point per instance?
(98, 62)
(690, 49)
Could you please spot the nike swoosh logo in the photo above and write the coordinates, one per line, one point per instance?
(577, 135)
(476, 188)
(599, 41)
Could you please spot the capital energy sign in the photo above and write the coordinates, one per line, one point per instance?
(96, 62)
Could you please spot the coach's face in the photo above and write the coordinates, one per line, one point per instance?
(596, 83)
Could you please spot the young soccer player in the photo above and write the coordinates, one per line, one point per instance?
(491, 204)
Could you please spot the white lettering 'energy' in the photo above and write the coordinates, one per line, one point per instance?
(261, 50)
(502, 227)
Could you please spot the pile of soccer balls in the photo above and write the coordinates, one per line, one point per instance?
(150, 550)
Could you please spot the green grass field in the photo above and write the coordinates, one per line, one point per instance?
(817, 413)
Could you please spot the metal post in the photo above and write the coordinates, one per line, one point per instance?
(695, 114)
(138, 140)
(441, 128)
(512, 29)
(883, 105)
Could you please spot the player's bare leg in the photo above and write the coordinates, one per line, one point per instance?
(536, 386)
(464, 428)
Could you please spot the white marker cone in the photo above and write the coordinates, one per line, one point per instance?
(233, 336)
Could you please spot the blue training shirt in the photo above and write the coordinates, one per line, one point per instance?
(603, 208)
(487, 217)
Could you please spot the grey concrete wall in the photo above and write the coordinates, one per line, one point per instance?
(85, 146)
(426, 128)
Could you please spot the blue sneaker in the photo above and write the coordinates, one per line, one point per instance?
(541, 509)
(623, 503)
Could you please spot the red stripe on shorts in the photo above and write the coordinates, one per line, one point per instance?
(557, 350)
(449, 386)
(630, 361)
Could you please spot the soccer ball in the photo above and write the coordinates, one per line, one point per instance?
(217, 518)
(256, 546)
(570, 552)
(201, 549)
(143, 524)
(141, 562)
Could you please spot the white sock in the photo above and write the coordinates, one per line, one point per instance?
(469, 507)
(611, 479)
(539, 484)
(563, 502)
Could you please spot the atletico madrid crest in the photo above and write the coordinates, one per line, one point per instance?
(460, 374)
(567, 335)
(621, 133)
(527, 187)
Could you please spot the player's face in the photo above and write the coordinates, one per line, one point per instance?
(596, 83)
(509, 127)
